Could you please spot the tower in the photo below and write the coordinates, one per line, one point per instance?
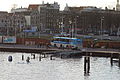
(117, 2)
(117, 6)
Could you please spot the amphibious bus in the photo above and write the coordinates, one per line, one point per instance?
(66, 42)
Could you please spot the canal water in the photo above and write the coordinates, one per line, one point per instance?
(57, 69)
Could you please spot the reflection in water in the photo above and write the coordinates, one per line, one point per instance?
(58, 69)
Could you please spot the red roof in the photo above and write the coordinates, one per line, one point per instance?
(33, 6)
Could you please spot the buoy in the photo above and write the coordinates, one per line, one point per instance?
(10, 58)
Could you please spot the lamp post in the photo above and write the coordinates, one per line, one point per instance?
(39, 30)
(71, 31)
(76, 25)
(102, 18)
(62, 25)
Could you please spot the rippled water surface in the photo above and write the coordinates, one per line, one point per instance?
(57, 69)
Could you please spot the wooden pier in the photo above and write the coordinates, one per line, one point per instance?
(84, 52)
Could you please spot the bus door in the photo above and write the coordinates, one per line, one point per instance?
(79, 43)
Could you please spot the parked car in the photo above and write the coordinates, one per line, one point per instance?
(107, 38)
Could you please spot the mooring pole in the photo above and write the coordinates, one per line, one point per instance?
(33, 56)
(88, 70)
(44, 55)
(61, 56)
(119, 60)
(85, 61)
(40, 57)
(111, 59)
(51, 57)
(22, 57)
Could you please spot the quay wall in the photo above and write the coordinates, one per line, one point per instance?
(86, 43)
(106, 44)
(32, 41)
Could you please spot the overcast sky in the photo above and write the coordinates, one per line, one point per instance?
(6, 5)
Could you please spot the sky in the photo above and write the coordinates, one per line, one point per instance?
(6, 5)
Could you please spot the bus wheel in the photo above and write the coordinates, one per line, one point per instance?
(75, 48)
(61, 46)
(67, 46)
(55, 45)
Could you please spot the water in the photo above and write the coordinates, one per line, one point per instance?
(57, 69)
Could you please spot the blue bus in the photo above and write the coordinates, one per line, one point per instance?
(66, 42)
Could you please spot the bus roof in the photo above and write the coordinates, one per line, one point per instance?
(66, 38)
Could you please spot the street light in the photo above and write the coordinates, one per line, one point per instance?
(71, 31)
(76, 25)
(102, 18)
(62, 25)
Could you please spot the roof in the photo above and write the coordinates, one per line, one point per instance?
(67, 38)
(91, 9)
(77, 9)
(33, 6)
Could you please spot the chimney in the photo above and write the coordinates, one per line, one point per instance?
(117, 2)
(42, 2)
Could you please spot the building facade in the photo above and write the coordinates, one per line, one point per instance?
(11, 23)
(91, 19)
(45, 17)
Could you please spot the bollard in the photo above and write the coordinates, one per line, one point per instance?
(10, 58)
(111, 60)
(22, 57)
(28, 59)
(40, 57)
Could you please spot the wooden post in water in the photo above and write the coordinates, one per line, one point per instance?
(61, 56)
(119, 60)
(51, 57)
(40, 57)
(22, 57)
(85, 64)
(44, 55)
(88, 70)
(33, 56)
(111, 59)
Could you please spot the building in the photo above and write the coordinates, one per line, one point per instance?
(90, 19)
(45, 17)
(4, 22)
(14, 10)
(117, 6)
(11, 23)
